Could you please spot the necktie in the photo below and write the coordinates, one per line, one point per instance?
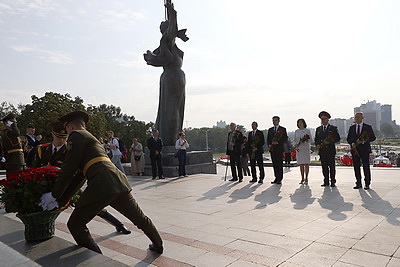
(358, 129)
(55, 151)
(254, 133)
(276, 128)
(324, 128)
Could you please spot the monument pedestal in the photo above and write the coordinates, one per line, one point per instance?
(196, 162)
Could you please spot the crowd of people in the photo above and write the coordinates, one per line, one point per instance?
(240, 149)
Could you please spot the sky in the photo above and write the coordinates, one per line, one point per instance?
(245, 60)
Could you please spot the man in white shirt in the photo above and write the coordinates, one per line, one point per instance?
(116, 153)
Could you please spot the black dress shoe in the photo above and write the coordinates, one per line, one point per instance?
(260, 181)
(157, 249)
(324, 185)
(366, 187)
(278, 183)
(233, 179)
(333, 185)
(161, 177)
(153, 178)
(357, 187)
(122, 229)
(240, 180)
(273, 182)
(253, 181)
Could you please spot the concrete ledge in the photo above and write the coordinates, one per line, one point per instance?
(55, 251)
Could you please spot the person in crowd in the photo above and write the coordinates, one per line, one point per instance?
(234, 150)
(255, 145)
(113, 145)
(137, 157)
(33, 142)
(244, 159)
(276, 137)
(155, 144)
(360, 136)
(325, 138)
(11, 143)
(302, 138)
(107, 186)
(181, 145)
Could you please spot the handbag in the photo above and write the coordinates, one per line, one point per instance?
(177, 153)
(137, 157)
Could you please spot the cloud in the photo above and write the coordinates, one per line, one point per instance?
(51, 56)
(29, 7)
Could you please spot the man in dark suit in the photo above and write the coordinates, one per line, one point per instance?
(255, 145)
(11, 144)
(359, 137)
(326, 136)
(277, 136)
(233, 150)
(154, 143)
(33, 142)
(107, 185)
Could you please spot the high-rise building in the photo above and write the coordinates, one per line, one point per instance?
(386, 113)
(221, 124)
(372, 114)
(341, 125)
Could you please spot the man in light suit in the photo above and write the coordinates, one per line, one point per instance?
(277, 136)
(359, 137)
(326, 136)
(255, 145)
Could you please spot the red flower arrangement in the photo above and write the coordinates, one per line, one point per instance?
(305, 138)
(276, 138)
(364, 137)
(328, 140)
(235, 137)
(21, 190)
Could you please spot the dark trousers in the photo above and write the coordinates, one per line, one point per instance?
(328, 168)
(182, 162)
(156, 165)
(236, 164)
(357, 160)
(125, 204)
(258, 159)
(277, 164)
(245, 165)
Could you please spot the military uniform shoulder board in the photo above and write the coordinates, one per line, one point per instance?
(69, 145)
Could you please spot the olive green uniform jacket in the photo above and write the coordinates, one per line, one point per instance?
(12, 148)
(103, 178)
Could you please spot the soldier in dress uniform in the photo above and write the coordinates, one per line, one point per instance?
(106, 185)
(12, 145)
(53, 154)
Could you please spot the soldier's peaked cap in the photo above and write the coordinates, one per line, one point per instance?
(8, 117)
(58, 129)
(324, 113)
(75, 115)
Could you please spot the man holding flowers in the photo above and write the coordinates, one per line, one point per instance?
(255, 145)
(359, 137)
(326, 136)
(277, 136)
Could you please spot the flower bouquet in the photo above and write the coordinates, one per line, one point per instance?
(276, 138)
(328, 140)
(235, 138)
(304, 139)
(254, 144)
(364, 137)
(21, 191)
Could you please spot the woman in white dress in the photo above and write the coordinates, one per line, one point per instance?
(137, 158)
(302, 137)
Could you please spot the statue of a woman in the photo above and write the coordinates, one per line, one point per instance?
(172, 81)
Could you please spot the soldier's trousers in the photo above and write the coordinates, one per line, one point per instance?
(123, 203)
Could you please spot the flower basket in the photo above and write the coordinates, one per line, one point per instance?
(39, 225)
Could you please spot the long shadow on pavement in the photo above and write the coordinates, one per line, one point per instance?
(332, 200)
(302, 197)
(376, 205)
(269, 196)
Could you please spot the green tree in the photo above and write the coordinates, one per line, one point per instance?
(387, 129)
(6, 108)
(45, 110)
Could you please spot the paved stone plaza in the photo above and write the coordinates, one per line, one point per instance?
(206, 221)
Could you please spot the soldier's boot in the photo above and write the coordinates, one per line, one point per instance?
(151, 232)
(119, 226)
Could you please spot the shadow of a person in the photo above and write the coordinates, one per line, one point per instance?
(268, 196)
(376, 205)
(242, 193)
(302, 197)
(332, 200)
(217, 191)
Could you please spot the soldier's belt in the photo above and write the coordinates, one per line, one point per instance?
(15, 150)
(93, 161)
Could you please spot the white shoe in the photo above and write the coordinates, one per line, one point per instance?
(186, 175)
(181, 176)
